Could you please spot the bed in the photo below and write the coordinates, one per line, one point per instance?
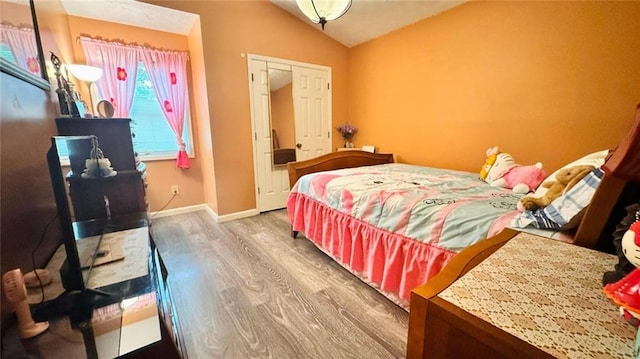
(396, 225)
(353, 229)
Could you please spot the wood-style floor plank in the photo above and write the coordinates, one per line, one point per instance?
(246, 289)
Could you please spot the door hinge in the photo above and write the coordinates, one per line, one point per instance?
(255, 136)
(258, 190)
(328, 86)
(252, 77)
(328, 134)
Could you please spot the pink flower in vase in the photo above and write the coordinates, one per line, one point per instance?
(347, 131)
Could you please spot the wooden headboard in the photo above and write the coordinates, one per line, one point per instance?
(335, 161)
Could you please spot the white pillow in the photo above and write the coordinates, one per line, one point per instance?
(595, 159)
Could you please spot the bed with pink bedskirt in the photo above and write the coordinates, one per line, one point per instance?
(396, 225)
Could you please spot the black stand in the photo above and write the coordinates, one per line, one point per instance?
(77, 305)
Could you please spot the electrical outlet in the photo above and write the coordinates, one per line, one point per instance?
(174, 190)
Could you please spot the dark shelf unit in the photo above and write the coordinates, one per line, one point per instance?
(125, 191)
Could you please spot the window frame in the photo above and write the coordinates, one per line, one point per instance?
(188, 132)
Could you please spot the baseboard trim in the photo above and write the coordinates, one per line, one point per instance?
(236, 215)
(204, 207)
(179, 210)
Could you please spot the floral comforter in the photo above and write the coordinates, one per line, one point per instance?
(395, 226)
(445, 208)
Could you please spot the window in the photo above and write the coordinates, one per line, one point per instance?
(6, 53)
(153, 138)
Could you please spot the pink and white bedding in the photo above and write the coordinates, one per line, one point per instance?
(397, 225)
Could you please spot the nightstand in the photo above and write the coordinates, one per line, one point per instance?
(339, 149)
(519, 296)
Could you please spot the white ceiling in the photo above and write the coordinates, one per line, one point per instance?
(134, 13)
(365, 20)
(368, 19)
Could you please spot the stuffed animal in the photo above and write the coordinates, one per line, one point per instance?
(100, 167)
(565, 179)
(501, 170)
(626, 291)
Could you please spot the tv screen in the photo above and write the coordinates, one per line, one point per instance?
(67, 159)
(74, 148)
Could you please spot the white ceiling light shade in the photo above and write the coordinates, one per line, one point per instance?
(88, 75)
(85, 73)
(321, 11)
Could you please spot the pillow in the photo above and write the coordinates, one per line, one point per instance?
(595, 159)
(564, 212)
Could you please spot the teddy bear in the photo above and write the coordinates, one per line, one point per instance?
(565, 179)
(501, 170)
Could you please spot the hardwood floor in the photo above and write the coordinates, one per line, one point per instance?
(246, 289)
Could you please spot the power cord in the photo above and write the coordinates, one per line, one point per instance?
(33, 256)
(163, 207)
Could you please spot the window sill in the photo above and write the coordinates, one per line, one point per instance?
(160, 157)
(64, 161)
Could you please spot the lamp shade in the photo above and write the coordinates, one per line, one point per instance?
(321, 11)
(85, 73)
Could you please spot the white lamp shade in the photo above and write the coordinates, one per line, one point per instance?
(327, 9)
(85, 73)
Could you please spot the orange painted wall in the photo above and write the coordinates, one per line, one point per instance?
(161, 175)
(16, 14)
(230, 28)
(546, 81)
(200, 107)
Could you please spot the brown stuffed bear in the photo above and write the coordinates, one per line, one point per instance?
(565, 179)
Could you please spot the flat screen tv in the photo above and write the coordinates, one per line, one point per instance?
(77, 301)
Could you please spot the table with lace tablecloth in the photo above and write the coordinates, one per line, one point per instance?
(533, 297)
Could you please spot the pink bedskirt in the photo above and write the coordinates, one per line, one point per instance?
(392, 263)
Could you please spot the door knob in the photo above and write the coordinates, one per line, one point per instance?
(299, 145)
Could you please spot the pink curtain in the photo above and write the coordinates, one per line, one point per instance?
(168, 74)
(23, 46)
(120, 65)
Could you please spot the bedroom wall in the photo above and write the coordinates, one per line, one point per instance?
(230, 28)
(546, 81)
(163, 174)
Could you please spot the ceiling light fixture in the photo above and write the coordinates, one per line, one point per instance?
(321, 11)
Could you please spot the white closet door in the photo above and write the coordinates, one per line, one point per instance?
(312, 98)
(273, 181)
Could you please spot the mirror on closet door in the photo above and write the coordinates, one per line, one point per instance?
(281, 113)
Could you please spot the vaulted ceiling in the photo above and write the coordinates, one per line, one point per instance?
(365, 20)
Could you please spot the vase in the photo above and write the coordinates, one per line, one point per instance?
(348, 144)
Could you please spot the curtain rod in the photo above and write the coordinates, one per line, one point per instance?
(129, 44)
